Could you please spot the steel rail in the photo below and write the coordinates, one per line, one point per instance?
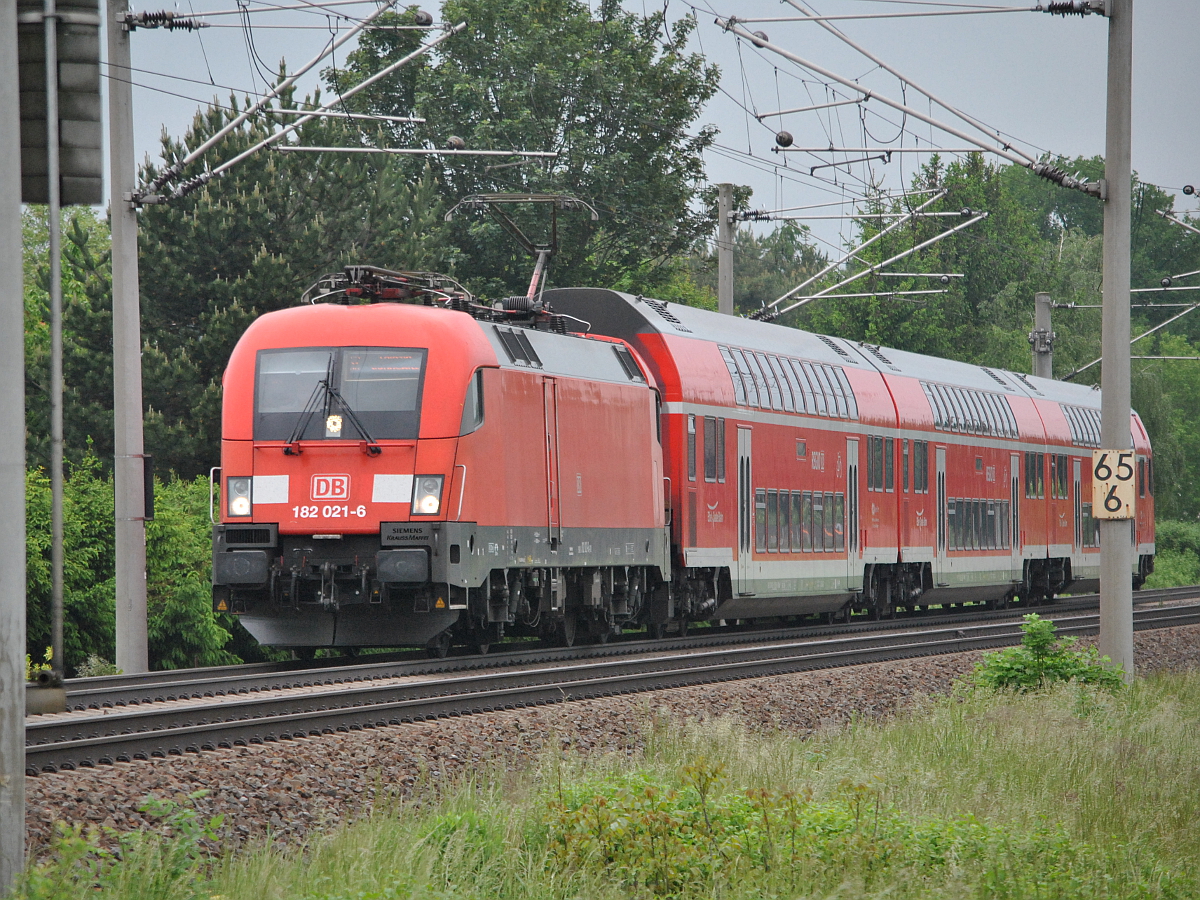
(114, 691)
(68, 743)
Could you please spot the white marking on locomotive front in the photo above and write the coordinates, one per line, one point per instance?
(330, 487)
(392, 489)
(270, 489)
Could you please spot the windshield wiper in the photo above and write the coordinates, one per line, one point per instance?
(319, 397)
(372, 448)
(322, 393)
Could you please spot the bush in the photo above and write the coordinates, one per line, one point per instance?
(1043, 659)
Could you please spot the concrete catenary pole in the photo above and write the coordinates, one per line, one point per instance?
(12, 466)
(132, 653)
(1116, 557)
(1042, 338)
(725, 249)
(54, 250)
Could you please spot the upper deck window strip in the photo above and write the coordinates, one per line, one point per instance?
(1084, 424)
(970, 411)
(769, 381)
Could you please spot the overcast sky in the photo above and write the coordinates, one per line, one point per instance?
(1036, 77)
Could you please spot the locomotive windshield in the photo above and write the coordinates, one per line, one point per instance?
(346, 393)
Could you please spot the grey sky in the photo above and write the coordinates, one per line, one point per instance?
(1037, 77)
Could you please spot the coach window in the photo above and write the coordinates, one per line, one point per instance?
(772, 521)
(810, 403)
(904, 466)
(785, 531)
(839, 522)
(1054, 475)
(818, 523)
(797, 522)
(472, 415)
(794, 384)
(1141, 477)
(768, 383)
(818, 393)
(785, 389)
(691, 447)
(760, 520)
(710, 448)
(921, 467)
(739, 389)
(1040, 471)
(1064, 479)
(933, 395)
(806, 516)
(889, 465)
(720, 450)
(830, 543)
(848, 391)
(747, 377)
(952, 523)
(832, 402)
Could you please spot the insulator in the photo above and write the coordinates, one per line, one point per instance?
(945, 279)
(518, 304)
(1189, 189)
(1166, 282)
(1066, 8)
(558, 324)
(761, 37)
(784, 139)
(456, 143)
(965, 212)
(422, 18)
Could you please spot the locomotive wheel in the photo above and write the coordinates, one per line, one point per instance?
(569, 627)
(656, 631)
(439, 647)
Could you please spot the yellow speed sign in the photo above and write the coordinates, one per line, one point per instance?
(1112, 484)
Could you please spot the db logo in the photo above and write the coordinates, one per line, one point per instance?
(331, 487)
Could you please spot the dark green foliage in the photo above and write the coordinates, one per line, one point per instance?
(1042, 659)
(184, 632)
(764, 267)
(87, 336)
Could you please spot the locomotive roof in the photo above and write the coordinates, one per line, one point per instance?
(626, 316)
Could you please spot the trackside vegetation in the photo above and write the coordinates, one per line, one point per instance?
(1068, 791)
(1041, 659)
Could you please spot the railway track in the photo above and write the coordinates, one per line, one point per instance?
(144, 731)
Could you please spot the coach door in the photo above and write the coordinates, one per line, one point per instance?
(1014, 499)
(941, 560)
(745, 515)
(550, 407)
(853, 566)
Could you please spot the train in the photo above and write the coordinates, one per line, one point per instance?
(404, 464)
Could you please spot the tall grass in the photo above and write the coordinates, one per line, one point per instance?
(1067, 793)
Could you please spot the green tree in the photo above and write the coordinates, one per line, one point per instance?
(613, 93)
(765, 267)
(87, 335)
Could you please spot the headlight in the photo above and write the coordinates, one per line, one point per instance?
(239, 496)
(427, 495)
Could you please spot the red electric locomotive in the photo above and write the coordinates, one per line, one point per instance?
(399, 474)
(413, 473)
